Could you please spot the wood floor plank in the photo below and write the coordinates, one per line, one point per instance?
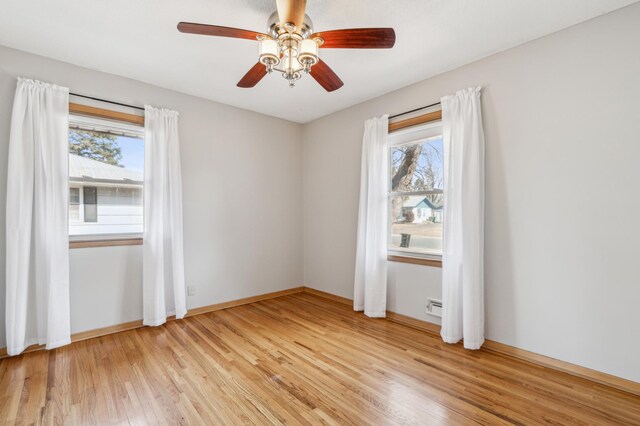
(296, 359)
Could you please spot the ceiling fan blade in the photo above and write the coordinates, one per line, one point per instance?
(291, 11)
(253, 76)
(325, 76)
(216, 30)
(358, 38)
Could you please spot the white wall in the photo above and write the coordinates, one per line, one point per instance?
(562, 126)
(242, 199)
(105, 286)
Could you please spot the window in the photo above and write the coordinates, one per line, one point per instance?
(90, 196)
(106, 178)
(74, 205)
(415, 191)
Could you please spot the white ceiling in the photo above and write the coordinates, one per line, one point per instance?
(138, 39)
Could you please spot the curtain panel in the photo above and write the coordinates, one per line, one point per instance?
(463, 245)
(37, 262)
(163, 257)
(370, 289)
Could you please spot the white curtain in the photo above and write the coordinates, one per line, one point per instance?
(37, 264)
(370, 289)
(163, 258)
(463, 250)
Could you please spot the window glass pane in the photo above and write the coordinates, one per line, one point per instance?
(106, 171)
(90, 194)
(90, 213)
(417, 167)
(74, 196)
(416, 223)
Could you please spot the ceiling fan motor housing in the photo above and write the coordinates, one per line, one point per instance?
(275, 28)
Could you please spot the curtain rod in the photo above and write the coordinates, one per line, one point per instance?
(414, 110)
(109, 102)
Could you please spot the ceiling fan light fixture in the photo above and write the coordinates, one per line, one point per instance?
(308, 55)
(269, 52)
(291, 68)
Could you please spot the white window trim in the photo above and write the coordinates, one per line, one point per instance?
(105, 237)
(402, 137)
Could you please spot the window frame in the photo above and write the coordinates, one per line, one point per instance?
(411, 134)
(120, 121)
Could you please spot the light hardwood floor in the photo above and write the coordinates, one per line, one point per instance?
(298, 359)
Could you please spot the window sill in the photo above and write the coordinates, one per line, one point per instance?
(437, 263)
(78, 244)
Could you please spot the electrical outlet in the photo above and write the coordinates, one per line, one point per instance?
(191, 290)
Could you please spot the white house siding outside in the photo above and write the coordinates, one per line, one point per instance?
(104, 199)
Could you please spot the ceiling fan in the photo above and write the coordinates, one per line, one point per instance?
(291, 47)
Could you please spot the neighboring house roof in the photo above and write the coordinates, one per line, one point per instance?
(421, 201)
(413, 201)
(86, 169)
